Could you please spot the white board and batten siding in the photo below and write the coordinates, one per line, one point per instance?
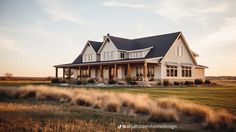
(179, 54)
(89, 55)
(109, 52)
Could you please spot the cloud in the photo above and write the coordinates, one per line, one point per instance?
(122, 4)
(177, 10)
(58, 11)
(224, 35)
(11, 45)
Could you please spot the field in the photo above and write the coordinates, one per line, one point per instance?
(30, 114)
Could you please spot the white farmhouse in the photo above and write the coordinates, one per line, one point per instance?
(147, 59)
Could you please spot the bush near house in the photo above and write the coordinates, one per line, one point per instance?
(207, 82)
(130, 81)
(166, 83)
(198, 82)
(176, 83)
(84, 81)
(188, 83)
(56, 80)
(72, 81)
(79, 82)
(91, 81)
(112, 82)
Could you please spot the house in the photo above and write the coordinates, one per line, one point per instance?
(148, 59)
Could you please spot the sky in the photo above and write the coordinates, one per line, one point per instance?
(37, 34)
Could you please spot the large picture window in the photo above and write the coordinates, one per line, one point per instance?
(186, 71)
(171, 71)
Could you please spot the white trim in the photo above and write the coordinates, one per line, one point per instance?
(171, 64)
(107, 37)
(140, 49)
(187, 47)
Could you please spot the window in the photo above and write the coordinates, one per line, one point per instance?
(179, 51)
(122, 55)
(108, 55)
(171, 71)
(112, 54)
(186, 71)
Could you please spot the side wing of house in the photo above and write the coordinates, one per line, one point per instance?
(179, 63)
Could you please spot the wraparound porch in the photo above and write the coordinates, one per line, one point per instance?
(139, 70)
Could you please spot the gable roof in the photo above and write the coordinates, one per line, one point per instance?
(96, 45)
(78, 59)
(160, 43)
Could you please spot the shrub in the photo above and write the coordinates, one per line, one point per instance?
(158, 83)
(63, 81)
(84, 81)
(176, 83)
(112, 107)
(198, 81)
(166, 83)
(111, 82)
(133, 83)
(56, 80)
(128, 80)
(79, 82)
(207, 82)
(91, 81)
(188, 83)
(72, 81)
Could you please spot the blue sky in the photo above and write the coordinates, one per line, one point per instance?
(37, 34)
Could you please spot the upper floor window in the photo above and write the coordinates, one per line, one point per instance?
(171, 71)
(88, 57)
(122, 54)
(136, 54)
(108, 55)
(179, 51)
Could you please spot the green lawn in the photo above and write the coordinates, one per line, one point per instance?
(214, 96)
(222, 96)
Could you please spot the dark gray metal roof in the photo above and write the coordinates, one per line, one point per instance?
(160, 44)
(78, 60)
(96, 45)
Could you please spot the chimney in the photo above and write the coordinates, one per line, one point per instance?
(104, 37)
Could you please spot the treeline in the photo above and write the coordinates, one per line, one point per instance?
(4, 78)
(221, 77)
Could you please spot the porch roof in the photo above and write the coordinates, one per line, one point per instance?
(124, 61)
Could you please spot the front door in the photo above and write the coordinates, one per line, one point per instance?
(111, 73)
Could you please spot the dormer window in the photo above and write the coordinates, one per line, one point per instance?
(179, 51)
(122, 55)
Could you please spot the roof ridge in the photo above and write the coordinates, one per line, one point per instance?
(157, 35)
(94, 41)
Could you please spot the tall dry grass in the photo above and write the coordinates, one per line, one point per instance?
(157, 110)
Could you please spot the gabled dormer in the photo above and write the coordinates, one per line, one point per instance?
(89, 53)
(108, 50)
(116, 48)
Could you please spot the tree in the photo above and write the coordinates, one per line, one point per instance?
(8, 76)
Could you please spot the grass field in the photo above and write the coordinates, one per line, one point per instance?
(19, 114)
(223, 96)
